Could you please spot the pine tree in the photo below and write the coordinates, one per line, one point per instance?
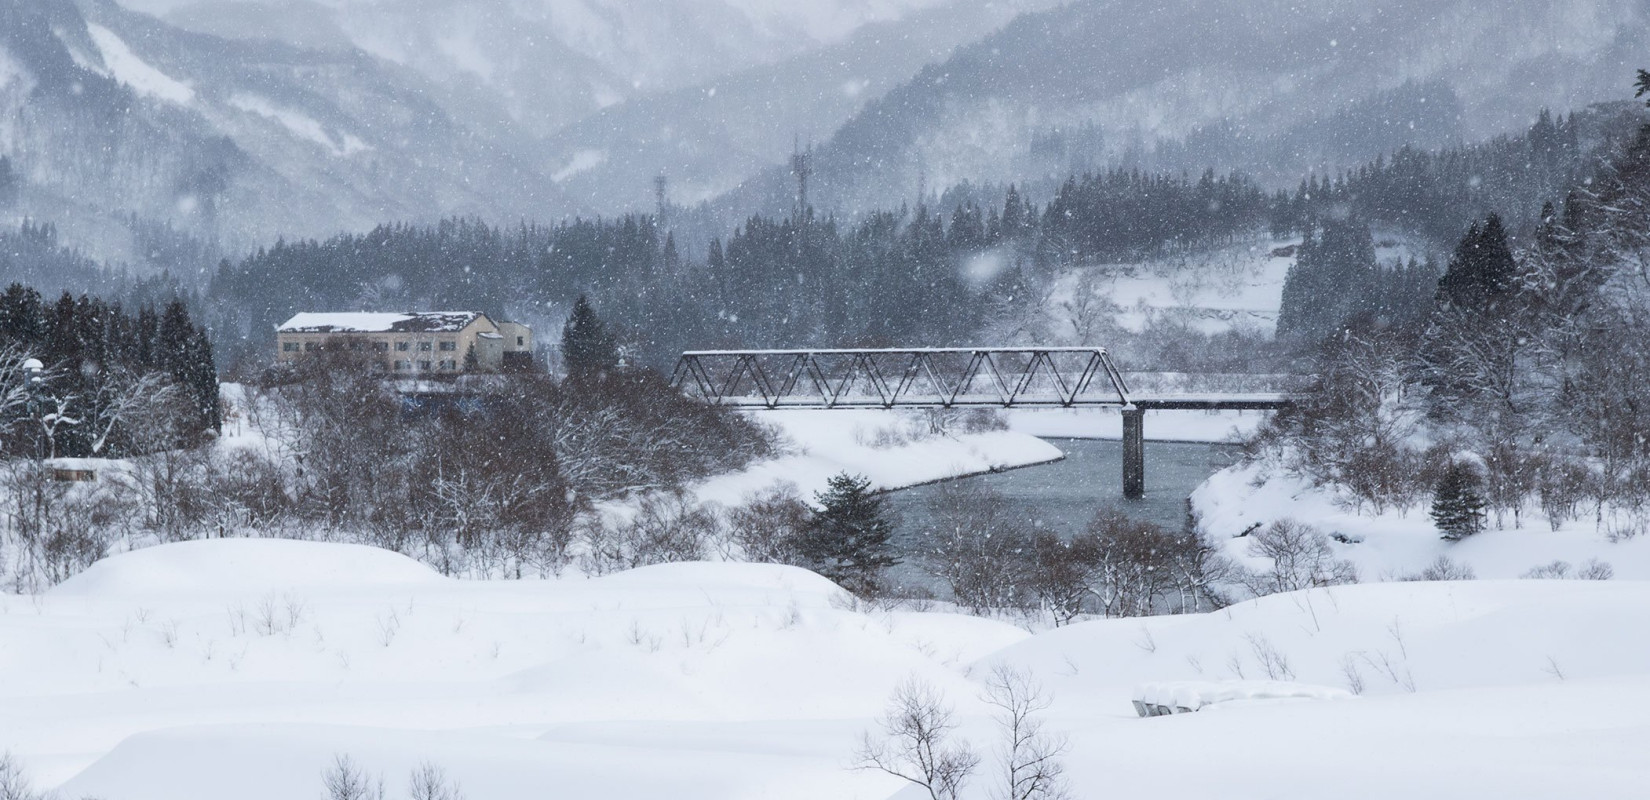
(9, 183)
(1482, 272)
(848, 538)
(1643, 85)
(1457, 502)
(587, 348)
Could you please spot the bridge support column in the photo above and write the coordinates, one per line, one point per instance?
(1134, 453)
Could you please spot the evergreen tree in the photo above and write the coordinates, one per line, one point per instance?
(1482, 272)
(1334, 277)
(1458, 502)
(9, 183)
(848, 538)
(1643, 85)
(587, 348)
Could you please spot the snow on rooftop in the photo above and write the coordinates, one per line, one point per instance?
(378, 322)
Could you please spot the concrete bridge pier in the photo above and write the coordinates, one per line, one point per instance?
(1134, 453)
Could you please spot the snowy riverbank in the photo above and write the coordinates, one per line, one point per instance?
(893, 449)
(1401, 543)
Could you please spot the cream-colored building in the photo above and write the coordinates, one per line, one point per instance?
(412, 343)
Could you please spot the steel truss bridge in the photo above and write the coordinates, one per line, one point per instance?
(944, 377)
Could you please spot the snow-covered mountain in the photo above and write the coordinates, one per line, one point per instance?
(108, 114)
(709, 137)
(547, 63)
(1272, 86)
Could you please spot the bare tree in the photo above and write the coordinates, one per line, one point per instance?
(430, 782)
(977, 545)
(665, 528)
(1132, 563)
(1059, 574)
(14, 785)
(916, 743)
(1030, 759)
(144, 406)
(768, 525)
(1301, 557)
(1086, 314)
(345, 780)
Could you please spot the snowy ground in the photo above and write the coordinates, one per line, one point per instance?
(1238, 287)
(235, 668)
(892, 449)
(1399, 543)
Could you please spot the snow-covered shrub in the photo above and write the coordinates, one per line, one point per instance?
(1301, 557)
(1592, 570)
(665, 528)
(769, 525)
(1444, 569)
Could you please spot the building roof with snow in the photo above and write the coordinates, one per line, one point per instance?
(380, 322)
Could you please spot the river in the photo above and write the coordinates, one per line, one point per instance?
(1064, 495)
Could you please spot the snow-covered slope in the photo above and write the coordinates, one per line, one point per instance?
(1402, 542)
(107, 113)
(716, 681)
(548, 63)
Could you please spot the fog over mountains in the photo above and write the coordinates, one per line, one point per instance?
(1272, 87)
(240, 122)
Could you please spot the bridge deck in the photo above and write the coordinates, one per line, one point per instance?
(1256, 401)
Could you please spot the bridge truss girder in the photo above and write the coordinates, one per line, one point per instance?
(1000, 377)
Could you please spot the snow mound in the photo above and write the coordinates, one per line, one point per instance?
(1181, 697)
(723, 578)
(246, 566)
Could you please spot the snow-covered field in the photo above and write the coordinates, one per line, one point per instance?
(235, 668)
(892, 449)
(1399, 543)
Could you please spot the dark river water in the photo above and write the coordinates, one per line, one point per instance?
(1064, 495)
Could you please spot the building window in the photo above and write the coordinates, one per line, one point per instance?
(424, 347)
(289, 347)
(403, 365)
(521, 341)
(381, 347)
(311, 347)
(401, 347)
(356, 345)
(449, 365)
(424, 366)
(449, 346)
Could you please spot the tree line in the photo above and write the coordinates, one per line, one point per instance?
(1520, 368)
(109, 382)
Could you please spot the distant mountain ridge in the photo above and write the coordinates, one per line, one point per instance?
(1271, 87)
(110, 115)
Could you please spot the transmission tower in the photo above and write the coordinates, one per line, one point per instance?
(661, 194)
(802, 168)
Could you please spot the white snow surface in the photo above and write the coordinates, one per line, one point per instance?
(133, 71)
(1185, 696)
(1400, 543)
(893, 449)
(737, 680)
